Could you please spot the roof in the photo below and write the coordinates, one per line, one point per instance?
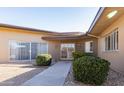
(102, 22)
(44, 31)
(66, 37)
(60, 37)
(101, 9)
(26, 28)
(72, 33)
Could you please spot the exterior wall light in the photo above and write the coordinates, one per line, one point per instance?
(111, 14)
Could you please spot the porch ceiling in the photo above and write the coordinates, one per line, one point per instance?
(103, 21)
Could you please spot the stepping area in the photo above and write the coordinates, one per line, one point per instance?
(53, 76)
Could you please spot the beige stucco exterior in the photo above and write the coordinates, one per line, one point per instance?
(7, 34)
(80, 45)
(54, 50)
(115, 57)
(54, 47)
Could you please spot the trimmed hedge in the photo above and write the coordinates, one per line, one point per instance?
(43, 60)
(78, 54)
(90, 70)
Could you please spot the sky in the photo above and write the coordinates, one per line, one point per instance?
(55, 19)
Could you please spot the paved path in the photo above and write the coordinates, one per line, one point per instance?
(53, 76)
(15, 74)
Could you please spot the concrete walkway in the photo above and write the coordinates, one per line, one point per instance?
(53, 76)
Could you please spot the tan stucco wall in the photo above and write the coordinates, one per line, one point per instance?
(115, 57)
(54, 50)
(80, 45)
(54, 47)
(7, 34)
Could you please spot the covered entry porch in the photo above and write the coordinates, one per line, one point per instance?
(61, 47)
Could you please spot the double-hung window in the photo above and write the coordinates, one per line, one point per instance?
(111, 41)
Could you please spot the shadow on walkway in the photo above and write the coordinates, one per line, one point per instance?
(18, 80)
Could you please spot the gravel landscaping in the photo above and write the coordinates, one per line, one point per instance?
(114, 79)
(16, 74)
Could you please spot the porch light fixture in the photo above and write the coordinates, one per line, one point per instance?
(111, 14)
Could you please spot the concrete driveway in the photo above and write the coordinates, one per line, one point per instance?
(16, 74)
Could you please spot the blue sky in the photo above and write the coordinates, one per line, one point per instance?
(52, 19)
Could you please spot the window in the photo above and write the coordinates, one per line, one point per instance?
(26, 50)
(89, 47)
(111, 41)
(38, 48)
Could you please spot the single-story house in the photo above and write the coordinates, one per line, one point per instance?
(20, 44)
(104, 39)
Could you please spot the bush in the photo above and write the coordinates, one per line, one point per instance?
(90, 70)
(78, 54)
(43, 60)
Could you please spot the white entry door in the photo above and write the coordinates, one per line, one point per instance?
(66, 51)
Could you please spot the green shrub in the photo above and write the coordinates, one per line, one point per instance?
(43, 60)
(90, 70)
(78, 54)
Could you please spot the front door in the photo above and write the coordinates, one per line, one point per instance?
(66, 51)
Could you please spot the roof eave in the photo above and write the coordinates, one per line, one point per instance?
(27, 28)
(100, 11)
